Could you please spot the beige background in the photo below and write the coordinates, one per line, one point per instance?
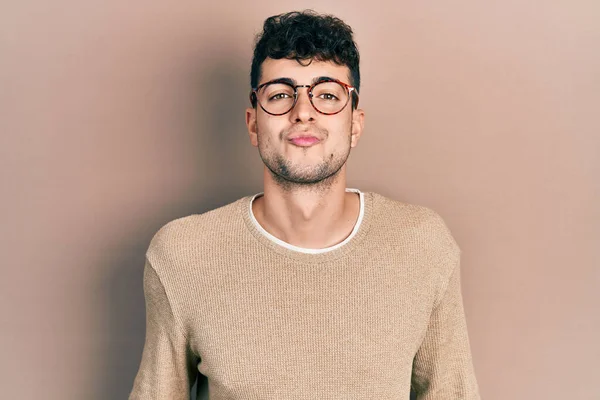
(117, 117)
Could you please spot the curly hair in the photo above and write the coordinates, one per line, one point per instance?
(304, 36)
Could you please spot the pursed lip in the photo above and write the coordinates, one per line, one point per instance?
(303, 135)
(304, 141)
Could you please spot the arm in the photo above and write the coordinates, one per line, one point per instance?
(168, 368)
(443, 368)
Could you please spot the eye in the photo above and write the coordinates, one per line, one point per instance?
(279, 96)
(328, 96)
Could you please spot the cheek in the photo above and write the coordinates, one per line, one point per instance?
(339, 131)
(269, 129)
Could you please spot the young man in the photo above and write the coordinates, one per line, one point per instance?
(308, 290)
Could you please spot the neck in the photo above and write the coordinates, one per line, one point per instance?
(309, 216)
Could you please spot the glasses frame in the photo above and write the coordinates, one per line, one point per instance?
(351, 93)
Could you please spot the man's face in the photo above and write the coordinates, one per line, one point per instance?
(298, 161)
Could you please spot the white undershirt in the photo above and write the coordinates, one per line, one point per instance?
(303, 249)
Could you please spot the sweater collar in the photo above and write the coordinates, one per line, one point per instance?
(310, 255)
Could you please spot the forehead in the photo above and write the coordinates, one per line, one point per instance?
(302, 74)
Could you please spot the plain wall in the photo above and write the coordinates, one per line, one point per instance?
(117, 117)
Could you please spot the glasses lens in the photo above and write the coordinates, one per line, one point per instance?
(276, 98)
(329, 97)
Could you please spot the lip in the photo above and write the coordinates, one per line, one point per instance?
(304, 141)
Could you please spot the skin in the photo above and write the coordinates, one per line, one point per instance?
(305, 202)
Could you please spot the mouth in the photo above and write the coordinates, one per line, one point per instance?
(303, 140)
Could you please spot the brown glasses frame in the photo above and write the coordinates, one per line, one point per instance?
(351, 92)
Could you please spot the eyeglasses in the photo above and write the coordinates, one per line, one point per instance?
(279, 96)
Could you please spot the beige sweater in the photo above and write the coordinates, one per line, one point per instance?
(364, 320)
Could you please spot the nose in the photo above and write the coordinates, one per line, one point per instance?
(303, 110)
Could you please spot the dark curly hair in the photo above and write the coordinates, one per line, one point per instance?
(304, 36)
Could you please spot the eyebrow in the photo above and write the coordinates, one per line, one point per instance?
(293, 82)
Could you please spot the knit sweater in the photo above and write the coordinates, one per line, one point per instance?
(366, 319)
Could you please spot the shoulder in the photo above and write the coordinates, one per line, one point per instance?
(416, 224)
(185, 236)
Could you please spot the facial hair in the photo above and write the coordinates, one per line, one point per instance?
(292, 176)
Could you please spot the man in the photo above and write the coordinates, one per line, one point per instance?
(308, 290)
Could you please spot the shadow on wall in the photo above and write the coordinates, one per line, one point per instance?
(224, 173)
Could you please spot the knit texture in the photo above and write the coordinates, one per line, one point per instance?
(260, 321)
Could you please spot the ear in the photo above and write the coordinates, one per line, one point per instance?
(251, 124)
(358, 124)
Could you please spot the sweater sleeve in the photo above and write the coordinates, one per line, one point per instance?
(443, 368)
(168, 368)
